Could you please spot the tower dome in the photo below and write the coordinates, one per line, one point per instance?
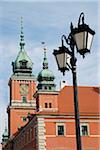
(46, 76)
(23, 63)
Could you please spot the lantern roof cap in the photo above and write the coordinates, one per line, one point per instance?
(82, 28)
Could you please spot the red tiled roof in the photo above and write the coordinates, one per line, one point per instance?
(88, 100)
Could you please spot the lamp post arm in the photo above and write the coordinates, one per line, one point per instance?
(64, 37)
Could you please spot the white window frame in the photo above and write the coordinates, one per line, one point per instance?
(60, 124)
(84, 124)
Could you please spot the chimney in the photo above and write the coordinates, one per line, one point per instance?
(62, 84)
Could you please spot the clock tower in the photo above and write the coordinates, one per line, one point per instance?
(22, 85)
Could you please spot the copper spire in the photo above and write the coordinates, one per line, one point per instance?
(45, 62)
(22, 43)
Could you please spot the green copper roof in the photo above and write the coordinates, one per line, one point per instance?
(45, 61)
(22, 56)
(5, 133)
(22, 43)
(46, 77)
(46, 74)
(23, 62)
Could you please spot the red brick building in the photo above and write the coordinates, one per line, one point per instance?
(42, 118)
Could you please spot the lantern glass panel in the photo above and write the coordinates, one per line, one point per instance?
(78, 37)
(81, 40)
(68, 57)
(89, 41)
(60, 60)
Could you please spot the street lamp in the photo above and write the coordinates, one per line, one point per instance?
(81, 38)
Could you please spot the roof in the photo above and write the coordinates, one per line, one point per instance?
(88, 100)
(22, 55)
(46, 73)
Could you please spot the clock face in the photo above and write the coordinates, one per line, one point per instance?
(24, 89)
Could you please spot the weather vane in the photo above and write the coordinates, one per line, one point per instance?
(44, 48)
(22, 43)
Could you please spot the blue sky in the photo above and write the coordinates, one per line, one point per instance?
(45, 21)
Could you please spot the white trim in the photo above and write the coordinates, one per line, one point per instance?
(48, 92)
(23, 105)
(51, 136)
(19, 103)
(72, 136)
(48, 109)
(67, 116)
(95, 136)
(17, 100)
(71, 120)
(88, 148)
(67, 136)
(62, 124)
(23, 78)
(41, 138)
(87, 125)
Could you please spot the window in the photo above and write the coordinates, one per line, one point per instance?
(23, 64)
(45, 87)
(84, 129)
(60, 129)
(24, 119)
(46, 105)
(49, 87)
(24, 100)
(50, 105)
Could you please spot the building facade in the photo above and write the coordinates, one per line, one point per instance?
(55, 130)
(41, 118)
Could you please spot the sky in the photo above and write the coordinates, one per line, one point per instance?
(45, 21)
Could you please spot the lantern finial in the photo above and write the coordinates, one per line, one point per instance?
(81, 17)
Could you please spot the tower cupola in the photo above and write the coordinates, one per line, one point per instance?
(5, 136)
(23, 63)
(46, 76)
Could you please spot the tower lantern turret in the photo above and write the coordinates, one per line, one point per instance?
(45, 76)
(23, 63)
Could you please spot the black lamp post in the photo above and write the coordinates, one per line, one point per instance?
(81, 38)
